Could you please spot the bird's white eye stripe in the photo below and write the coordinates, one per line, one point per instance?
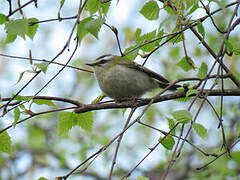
(104, 59)
(101, 61)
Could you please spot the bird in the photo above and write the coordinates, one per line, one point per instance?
(120, 78)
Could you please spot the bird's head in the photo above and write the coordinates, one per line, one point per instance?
(103, 62)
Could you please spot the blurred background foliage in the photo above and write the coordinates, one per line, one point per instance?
(38, 150)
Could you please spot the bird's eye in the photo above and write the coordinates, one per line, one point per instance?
(104, 61)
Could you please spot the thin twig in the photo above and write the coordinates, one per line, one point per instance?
(19, 8)
(173, 156)
(36, 114)
(204, 166)
(74, 102)
(150, 151)
(44, 60)
(213, 22)
(115, 31)
(119, 142)
(232, 77)
(110, 142)
(63, 49)
(196, 116)
(19, 91)
(185, 28)
(173, 135)
(155, 49)
(10, 6)
(54, 19)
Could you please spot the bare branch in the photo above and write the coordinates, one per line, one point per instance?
(143, 102)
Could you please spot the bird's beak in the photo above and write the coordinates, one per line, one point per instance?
(90, 64)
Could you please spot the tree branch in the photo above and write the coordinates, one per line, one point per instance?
(143, 102)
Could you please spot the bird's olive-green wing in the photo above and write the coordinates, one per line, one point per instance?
(130, 64)
(148, 71)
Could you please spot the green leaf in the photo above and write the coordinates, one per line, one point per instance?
(105, 7)
(137, 34)
(159, 34)
(182, 116)
(123, 111)
(31, 31)
(189, 3)
(16, 116)
(236, 51)
(171, 124)
(228, 44)
(20, 76)
(145, 38)
(78, 62)
(43, 66)
(169, 10)
(3, 19)
(200, 130)
(185, 65)
(191, 91)
(44, 102)
(93, 6)
(22, 107)
(132, 55)
(168, 142)
(10, 38)
(5, 145)
(66, 121)
(81, 30)
(183, 99)
(62, 3)
(17, 27)
(22, 98)
(222, 4)
(150, 10)
(36, 137)
(175, 52)
(84, 120)
(93, 26)
(197, 52)
(142, 178)
(201, 29)
(42, 178)
(194, 7)
(236, 157)
(202, 73)
(175, 38)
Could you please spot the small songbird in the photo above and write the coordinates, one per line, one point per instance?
(119, 78)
